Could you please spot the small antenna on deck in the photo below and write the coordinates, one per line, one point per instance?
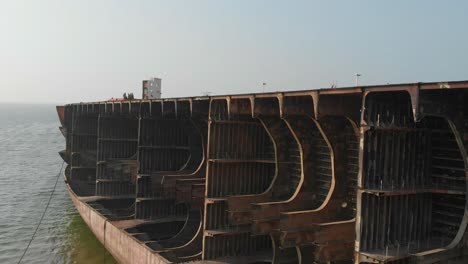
(357, 78)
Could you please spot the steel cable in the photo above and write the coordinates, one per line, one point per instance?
(43, 214)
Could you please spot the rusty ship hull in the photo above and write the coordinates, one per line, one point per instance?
(374, 174)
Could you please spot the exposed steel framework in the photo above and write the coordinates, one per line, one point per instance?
(374, 174)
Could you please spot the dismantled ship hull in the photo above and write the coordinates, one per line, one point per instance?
(374, 174)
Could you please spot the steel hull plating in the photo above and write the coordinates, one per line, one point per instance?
(374, 174)
(123, 247)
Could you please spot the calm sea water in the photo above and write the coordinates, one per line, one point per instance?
(29, 164)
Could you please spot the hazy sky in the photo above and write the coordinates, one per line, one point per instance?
(71, 51)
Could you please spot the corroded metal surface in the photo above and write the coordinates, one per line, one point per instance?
(371, 174)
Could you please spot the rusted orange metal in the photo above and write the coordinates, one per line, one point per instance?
(373, 174)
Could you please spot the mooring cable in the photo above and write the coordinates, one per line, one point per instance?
(43, 214)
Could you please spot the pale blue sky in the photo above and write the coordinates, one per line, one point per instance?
(70, 51)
